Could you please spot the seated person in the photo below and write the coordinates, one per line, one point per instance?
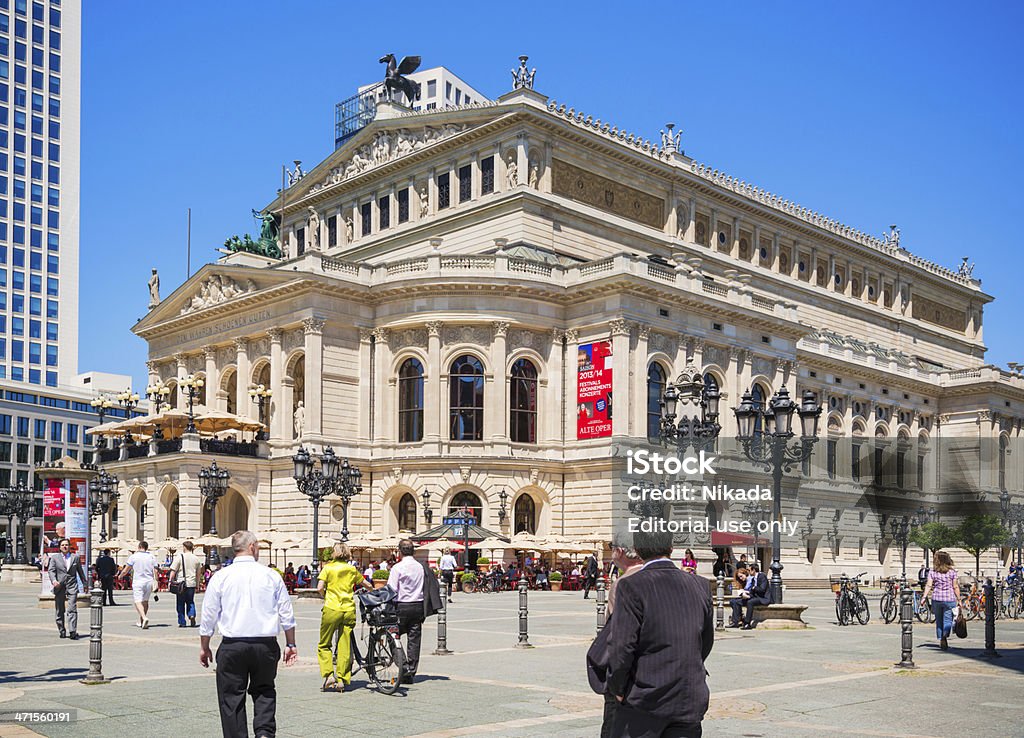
(741, 588)
(755, 592)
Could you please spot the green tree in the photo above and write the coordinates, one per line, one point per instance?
(979, 533)
(933, 536)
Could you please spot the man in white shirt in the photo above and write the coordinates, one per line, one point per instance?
(447, 566)
(143, 566)
(249, 604)
(406, 578)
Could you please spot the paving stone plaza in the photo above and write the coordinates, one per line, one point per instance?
(822, 681)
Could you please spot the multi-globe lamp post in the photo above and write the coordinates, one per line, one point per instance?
(192, 386)
(129, 401)
(696, 431)
(1013, 519)
(8, 510)
(333, 477)
(102, 494)
(213, 484)
(765, 434)
(20, 503)
(101, 405)
(261, 394)
(157, 393)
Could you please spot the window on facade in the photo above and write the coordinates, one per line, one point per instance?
(465, 183)
(855, 462)
(830, 458)
(40, 429)
(655, 391)
(487, 175)
(366, 218)
(300, 242)
(878, 465)
(5, 425)
(56, 431)
(524, 515)
(444, 193)
(1003, 442)
(22, 427)
(523, 402)
(920, 471)
(407, 513)
(403, 205)
(432, 88)
(332, 231)
(22, 453)
(468, 501)
(410, 401)
(384, 209)
(5, 452)
(901, 468)
(72, 433)
(466, 399)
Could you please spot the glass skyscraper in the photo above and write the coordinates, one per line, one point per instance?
(40, 82)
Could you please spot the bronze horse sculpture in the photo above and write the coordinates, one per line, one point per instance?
(394, 79)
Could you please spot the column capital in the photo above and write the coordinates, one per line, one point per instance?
(209, 352)
(181, 357)
(365, 334)
(434, 328)
(380, 334)
(313, 325)
(501, 328)
(241, 344)
(153, 367)
(645, 331)
(620, 327)
(275, 334)
(572, 335)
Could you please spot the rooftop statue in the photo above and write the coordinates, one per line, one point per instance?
(966, 270)
(522, 78)
(394, 78)
(266, 245)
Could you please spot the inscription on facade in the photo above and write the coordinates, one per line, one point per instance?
(934, 312)
(606, 194)
(228, 325)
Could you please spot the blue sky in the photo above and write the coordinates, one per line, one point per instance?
(871, 113)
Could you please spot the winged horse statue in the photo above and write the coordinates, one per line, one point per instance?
(394, 78)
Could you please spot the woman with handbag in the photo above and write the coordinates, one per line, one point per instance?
(944, 590)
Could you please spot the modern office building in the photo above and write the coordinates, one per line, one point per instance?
(451, 275)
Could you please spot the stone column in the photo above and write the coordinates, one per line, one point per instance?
(523, 158)
(713, 231)
(691, 222)
(475, 175)
(499, 169)
(276, 411)
(153, 368)
(775, 252)
(553, 403)
(313, 329)
(381, 365)
(432, 191)
(181, 372)
(497, 418)
(436, 402)
(212, 377)
(621, 330)
(365, 342)
(242, 401)
(639, 372)
(734, 247)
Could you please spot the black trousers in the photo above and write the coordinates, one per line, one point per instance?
(448, 577)
(410, 621)
(588, 583)
(108, 589)
(632, 723)
(247, 665)
(752, 602)
(611, 706)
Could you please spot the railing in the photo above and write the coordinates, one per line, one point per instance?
(337, 265)
(595, 267)
(138, 450)
(168, 446)
(109, 454)
(714, 289)
(354, 113)
(227, 447)
(661, 272)
(467, 262)
(406, 265)
(762, 302)
(529, 267)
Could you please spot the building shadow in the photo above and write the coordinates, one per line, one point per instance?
(53, 675)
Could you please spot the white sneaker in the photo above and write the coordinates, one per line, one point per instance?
(145, 623)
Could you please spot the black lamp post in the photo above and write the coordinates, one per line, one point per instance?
(192, 385)
(260, 394)
(317, 484)
(24, 504)
(102, 494)
(157, 394)
(756, 514)
(7, 508)
(428, 514)
(901, 528)
(101, 404)
(771, 449)
(694, 431)
(129, 401)
(213, 484)
(503, 509)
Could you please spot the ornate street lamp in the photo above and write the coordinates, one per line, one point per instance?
(102, 494)
(101, 404)
(757, 514)
(129, 401)
(900, 529)
(428, 514)
(213, 484)
(158, 394)
(23, 506)
(698, 432)
(1013, 519)
(317, 484)
(8, 510)
(260, 394)
(771, 449)
(192, 385)
(503, 510)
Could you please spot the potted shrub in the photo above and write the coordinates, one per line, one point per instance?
(380, 579)
(468, 580)
(483, 561)
(555, 579)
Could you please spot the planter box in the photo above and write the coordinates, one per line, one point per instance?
(556, 586)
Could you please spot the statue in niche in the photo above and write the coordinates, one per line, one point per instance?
(349, 228)
(299, 418)
(313, 228)
(512, 169)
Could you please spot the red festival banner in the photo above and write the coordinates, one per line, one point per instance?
(594, 390)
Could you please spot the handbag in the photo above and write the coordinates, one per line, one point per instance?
(960, 626)
(177, 587)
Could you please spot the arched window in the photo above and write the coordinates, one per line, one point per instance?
(523, 402)
(407, 512)
(655, 391)
(466, 394)
(525, 515)
(1004, 443)
(410, 401)
(174, 518)
(468, 500)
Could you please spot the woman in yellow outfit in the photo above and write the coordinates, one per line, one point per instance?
(337, 582)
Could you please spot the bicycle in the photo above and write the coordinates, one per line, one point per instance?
(851, 602)
(385, 657)
(889, 604)
(1013, 595)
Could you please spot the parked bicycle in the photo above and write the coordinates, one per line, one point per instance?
(1013, 600)
(850, 601)
(385, 658)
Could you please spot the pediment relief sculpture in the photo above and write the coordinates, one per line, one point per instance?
(214, 290)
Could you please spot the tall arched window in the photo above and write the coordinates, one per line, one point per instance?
(523, 402)
(655, 391)
(525, 515)
(410, 401)
(758, 397)
(1004, 443)
(466, 395)
(407, 512)
(468, 500)
(174, 518)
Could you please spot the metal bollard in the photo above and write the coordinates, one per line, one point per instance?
(990, 621)
(906, 626)
(442, 628)
(95, 675)
(720, 603)
(524, 638)
(999, 597)
(602, 604)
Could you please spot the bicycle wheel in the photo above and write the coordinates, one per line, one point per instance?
(469, 586)
(839, 609)
(845, 609)
(888, 608)
(974, 608)
(922, 609)
(860, 608)
(385, 662)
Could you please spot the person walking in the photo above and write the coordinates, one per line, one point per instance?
(447, 566)
(337, 582)
(64, 570)
(418, 597)
(143, 567)
(187, 569)
(589, 575)
(660, 634)
(249, 605)
(106, 568)
(943, 588)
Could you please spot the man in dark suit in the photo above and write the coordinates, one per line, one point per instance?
(758, 595)
(65, 570)
(106, 568)
(661, 633)
(590, 576)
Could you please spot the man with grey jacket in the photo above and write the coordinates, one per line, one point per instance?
(64, 570)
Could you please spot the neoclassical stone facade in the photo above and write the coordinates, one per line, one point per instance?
(442, 270)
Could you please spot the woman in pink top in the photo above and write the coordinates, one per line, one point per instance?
(945, 593)
(689, 562)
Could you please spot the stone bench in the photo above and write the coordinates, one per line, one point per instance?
(779, 617)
